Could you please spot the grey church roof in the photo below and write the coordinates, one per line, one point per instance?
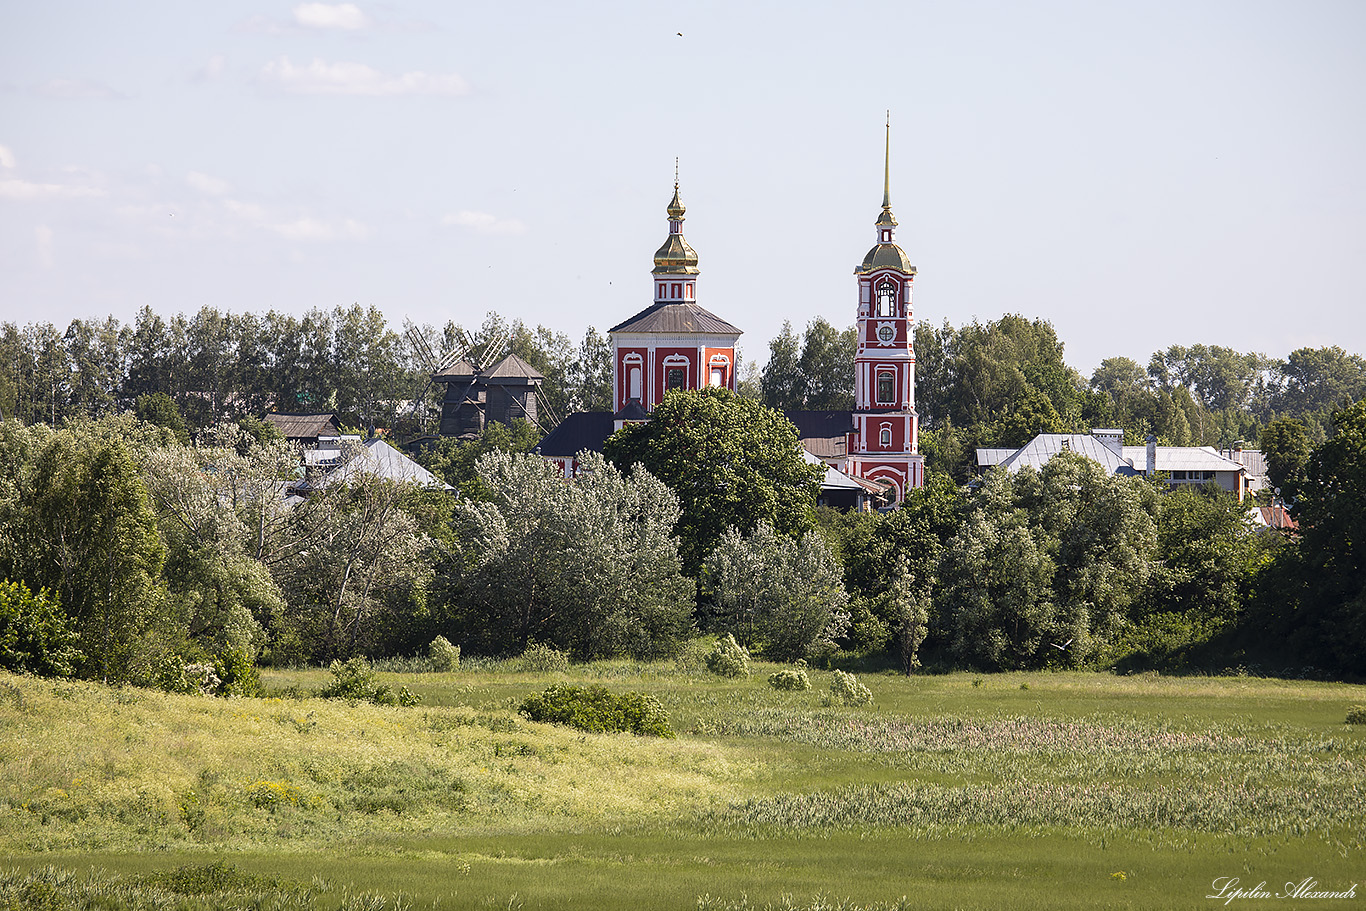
(676, 318)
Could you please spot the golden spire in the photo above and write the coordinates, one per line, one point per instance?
(676, 207)
(887, 218)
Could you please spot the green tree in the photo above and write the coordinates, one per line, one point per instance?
(455, 461)
(35, 636)
(827, 366)
(775, 593)
(732, 463)
(160, 409)
(1285, 444)
(589, 377)
(1333, 543)
(590, 566)
(102, 551)
(782, 384)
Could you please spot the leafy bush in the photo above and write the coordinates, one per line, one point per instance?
(1356, 714)
(34, 634)
(692, 656)
(444, 656)
(845, 688)
(790, 679)
(729, 658)
(594, 709)
(354, 681)
(539, 658)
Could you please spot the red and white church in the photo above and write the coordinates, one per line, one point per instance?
(677, 344)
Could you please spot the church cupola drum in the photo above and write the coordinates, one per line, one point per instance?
(674, 343)
(884, 444)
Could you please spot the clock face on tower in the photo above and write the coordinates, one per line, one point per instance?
(886, 333)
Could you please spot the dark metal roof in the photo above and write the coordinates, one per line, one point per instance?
(632, 411)
(676, 318)
(821, 423)
(577, 432)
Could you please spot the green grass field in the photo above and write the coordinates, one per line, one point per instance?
(1051, 790)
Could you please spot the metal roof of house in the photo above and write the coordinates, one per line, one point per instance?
(676, 318)
(988, 458)
(378, 459)
(1043, 447)
(1181, 458)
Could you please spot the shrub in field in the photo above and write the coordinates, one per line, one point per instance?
(354, 681)
(539, 658)
(793, 678)
(845, 688)
(692, 657)
(729, 658)
(443, 655)
(1356, 714)
(594, 709)
(35, 637)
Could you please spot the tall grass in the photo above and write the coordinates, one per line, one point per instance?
(762, 790)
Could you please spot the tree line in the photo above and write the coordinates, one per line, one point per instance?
(999, 383)
(156, 549)
(218, 366)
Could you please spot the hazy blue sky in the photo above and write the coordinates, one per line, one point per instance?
(1140, 174)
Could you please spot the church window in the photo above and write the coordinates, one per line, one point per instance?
(678, 290)
(688, 290)
(634, 383)
(886, 387)
(718, 376)
(675, 378)
(886, 299)
(885, 438)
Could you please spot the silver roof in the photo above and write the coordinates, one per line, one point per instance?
(1181, 458)
(1043, 447)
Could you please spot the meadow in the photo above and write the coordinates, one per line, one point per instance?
(1037, 790)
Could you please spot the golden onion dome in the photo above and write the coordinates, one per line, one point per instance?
(676, 257)
(886, 256)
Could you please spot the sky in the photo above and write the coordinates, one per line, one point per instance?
(1138, 174)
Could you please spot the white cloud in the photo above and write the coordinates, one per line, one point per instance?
(6, 158)
(43, 236)
(345, 16)
(216, 66)
(484, 223)
(23, 189)
(206, 184)
(302, 228)
(323, 78)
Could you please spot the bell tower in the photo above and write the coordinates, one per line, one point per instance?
(884, 445)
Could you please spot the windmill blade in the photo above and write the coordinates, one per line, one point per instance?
(420, 346)
(493, 350)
